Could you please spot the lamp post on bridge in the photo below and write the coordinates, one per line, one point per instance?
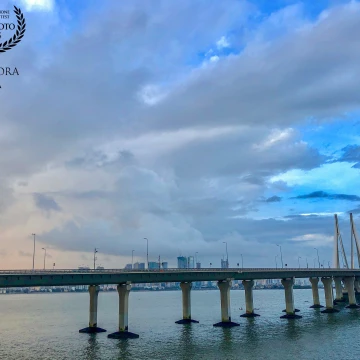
(44, 257)
(132, 259)
(282, 263)
(196, 258)
(317, 251)
(147, 252)
(95, 258)
(34, 252)
(227, 255)
(307, 265)
(242, 261)
(299, 257)
(276, 260)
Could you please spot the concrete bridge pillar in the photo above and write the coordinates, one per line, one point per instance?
(357, 284)
(329, 301)
(93, 328)
(350, 287)
(338, 290)
(315, 293)
(186, 304)
(123, 333)
(225, 287)
(289, 300)
(249, 300)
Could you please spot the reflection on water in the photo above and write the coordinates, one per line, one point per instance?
(153, 315)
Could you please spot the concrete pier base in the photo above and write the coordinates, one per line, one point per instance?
(289, 300)
(350, 287)
(329, 302)
(296, 310)
(186, 321)
(249, 299)
(316, 306)
(186, 304)
(315, 293)
(123, 333)
(93, 328)
(224, 287)
(226, 324)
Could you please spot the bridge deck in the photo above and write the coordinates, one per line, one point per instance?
(28, 278)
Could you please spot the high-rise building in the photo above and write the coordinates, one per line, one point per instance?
(128, 267)
(182, 262)
(164, 265)
(190, 262)
(198, 265)
(224, 264)
(153, 265)
(139, 266)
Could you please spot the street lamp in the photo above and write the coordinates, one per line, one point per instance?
(34, 252)
(95, 258)
(282, 263)
(132, 259)
(299, 257)
(276, 260)
(227, 255)
(307, 265)
(147, 252)
(196, 259)
(242, 261)
(44, 257)
(317, 251)
(329, 264)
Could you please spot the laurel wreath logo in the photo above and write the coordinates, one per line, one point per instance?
(20, 31)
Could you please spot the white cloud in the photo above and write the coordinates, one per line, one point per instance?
(39, 5)
(222, 43)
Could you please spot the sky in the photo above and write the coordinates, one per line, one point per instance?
(194, 124)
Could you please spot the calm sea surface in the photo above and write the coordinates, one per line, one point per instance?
(45, 326)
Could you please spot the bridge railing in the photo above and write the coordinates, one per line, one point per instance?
(174, 270)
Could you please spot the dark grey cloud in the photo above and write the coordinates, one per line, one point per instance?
(273, 199)
(45, 202)
(325, 195)
(351, 153)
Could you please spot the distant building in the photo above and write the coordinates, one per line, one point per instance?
(190, 262)
(182, 262)
(83, 268)
(164, 265)
(100, 268)
(128, 267)
(153, 265)
(139, 266)
(198, 265)
(224, 264)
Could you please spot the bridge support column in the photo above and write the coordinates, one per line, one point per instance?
(93, 328)
(225, 287)
(315, 293)
(249, 300)
(186, 304)
(350, 287)
(123, 333)
(329, 301)
(338, 290)
(289, 300)
(357, 284)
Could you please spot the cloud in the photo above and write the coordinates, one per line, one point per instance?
(273, 199)
(324, 195)
(45, 202)
(24, 253)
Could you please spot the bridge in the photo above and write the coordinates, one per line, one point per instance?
(346, 279)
